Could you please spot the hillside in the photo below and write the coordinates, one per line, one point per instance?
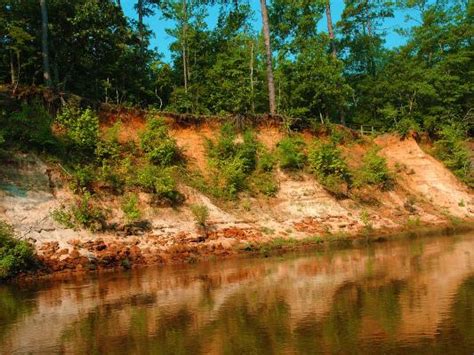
(424, 194)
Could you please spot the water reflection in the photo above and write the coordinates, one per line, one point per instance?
(397, 297)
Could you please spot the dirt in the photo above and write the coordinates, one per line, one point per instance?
(426, 193)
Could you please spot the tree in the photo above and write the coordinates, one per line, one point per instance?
(330, 28)
(268, 49)
(44, 43)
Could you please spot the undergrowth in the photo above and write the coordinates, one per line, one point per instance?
(16, 256)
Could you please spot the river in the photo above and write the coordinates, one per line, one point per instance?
(411, 296)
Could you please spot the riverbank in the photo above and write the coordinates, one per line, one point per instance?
(88, 217)
(116, 258)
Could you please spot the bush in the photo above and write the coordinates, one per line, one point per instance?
(87, 215)
(108, 147)
(405, 126)
(266, 161)
(327, 163)
(158, 146)
(15, 255)
(455, 154)
(229, 177)
(81, 128)
(201, 215)
(31, 127)
(161, 183)
(63, 217)
(264, 183)
(225, 147)
(83, 213)
(130, 208)
(374, 171)
(338, 134)
(111, 178)
(291, 153)
(83, 177)
(231, 161)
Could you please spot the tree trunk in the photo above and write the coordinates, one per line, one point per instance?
(185, 69)
(12, 69)
(140, 22)
(266, 36)
(252, 103)
(44, 43)
(330, 28)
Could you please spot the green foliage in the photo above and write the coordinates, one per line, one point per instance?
(266, 161)
(111, 176)
(63, 217)
(291, 154)
(232, 161)
(86, 214)
(108, 147)
(327, 163)
(264, 183)
(366, 221)
(83, 213)
(374, 171)
(453, 151)
(15, 255)
(83, 176)
(201, 214)
(130, 208)
(157, 144)
(81, 128)
(406, 126)
(30, 127)
(161, 183)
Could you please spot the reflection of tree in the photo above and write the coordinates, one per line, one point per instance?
(353, 304)
(13, 306)
(247, 324)
(463, 314)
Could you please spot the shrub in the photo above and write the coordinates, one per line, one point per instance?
(158, 146)
(266, 161)
(31, 127)
(291, 153)
(453, 151)
(87, 215)
(229, 177)
(201, 215)
(225, 147)
(338, 134)
(374, 171)
(111, 178)
(264, 183)
(405, 126)
(130, 208)
(81, 127)
(231, 161)
(83, 177)
(63, 217)
(108, 147)
(326, 161)
(15, 255)
(161, 183)
(247, 151)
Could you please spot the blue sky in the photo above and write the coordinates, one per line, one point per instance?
(161, 40)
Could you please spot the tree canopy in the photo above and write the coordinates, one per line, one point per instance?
(97, 52)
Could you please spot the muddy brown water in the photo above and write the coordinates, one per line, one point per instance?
(402, 297)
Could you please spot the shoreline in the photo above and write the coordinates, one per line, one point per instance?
(265, 248)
